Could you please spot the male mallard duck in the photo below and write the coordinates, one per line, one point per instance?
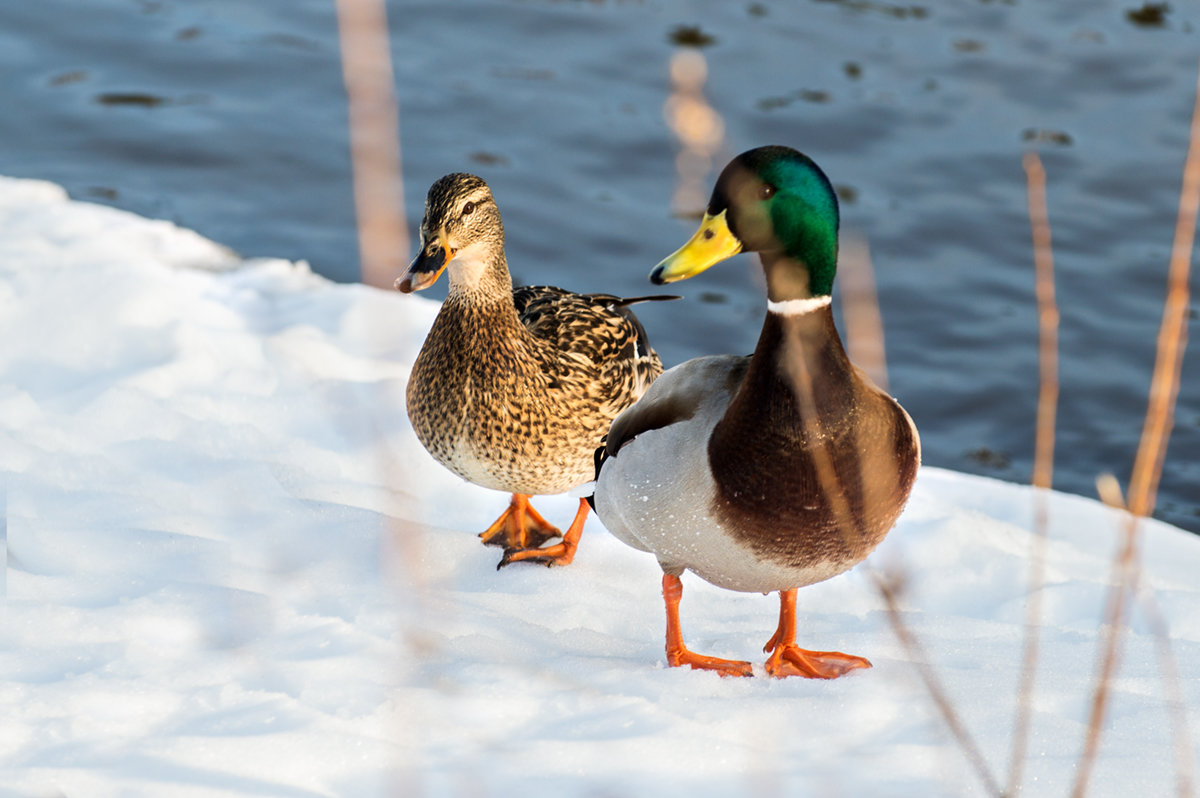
(514, 388)
(773, 471)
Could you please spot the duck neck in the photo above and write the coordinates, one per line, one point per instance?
(790, 278)
(799, 371)
(479, 280)
(479, 311)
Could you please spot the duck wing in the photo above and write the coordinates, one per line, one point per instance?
(703, 386)
(599, 326)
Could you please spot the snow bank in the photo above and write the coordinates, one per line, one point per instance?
(233, 571)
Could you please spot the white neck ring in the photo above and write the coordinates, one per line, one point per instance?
(798, 307)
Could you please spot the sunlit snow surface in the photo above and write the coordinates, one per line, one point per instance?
(233, 571)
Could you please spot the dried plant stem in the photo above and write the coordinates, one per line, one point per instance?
(860, 310)
(374, 139)
(1185, 767)
(378, 196)
(864, 328)
(1147, 467)
(1172, 338)
(916, 653)
(1168, 665)
(1043, 460)
(832, 488)
(383, 247)
(1124, 575)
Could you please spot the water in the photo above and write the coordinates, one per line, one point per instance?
(229, 117)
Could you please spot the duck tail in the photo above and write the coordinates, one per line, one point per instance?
(642, 339)
(624, 303)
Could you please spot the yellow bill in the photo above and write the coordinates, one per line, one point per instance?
(710, 245)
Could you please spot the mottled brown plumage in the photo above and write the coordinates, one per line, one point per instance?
(514, 388)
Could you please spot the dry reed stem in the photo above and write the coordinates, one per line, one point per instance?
(860, 310)
(1147, 467)
(1110, 493)
(1124, 574)
(375, 156)
(1172, 338)
(864, 326)
(1043, 255)
(383, 248)
(832, 488)
(1043, 460)
(1181, 735)
(916, 653)
(383, 239)
(1109, 489)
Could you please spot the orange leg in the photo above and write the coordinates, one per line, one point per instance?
(677, 652)
(788, 659)
(558, 554)
(519, 527)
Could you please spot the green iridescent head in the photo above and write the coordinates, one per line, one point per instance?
(774, 201)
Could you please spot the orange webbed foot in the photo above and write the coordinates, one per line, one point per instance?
(726, 667)
(560, 553)
(788, 659)
(791, 660)
(677, 653)
(519, 527)
(549, 556)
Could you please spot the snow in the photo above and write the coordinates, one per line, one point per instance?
(232, 570)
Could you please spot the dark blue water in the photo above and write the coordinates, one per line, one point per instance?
(229, 117)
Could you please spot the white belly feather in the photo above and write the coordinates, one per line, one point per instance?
(656, 495)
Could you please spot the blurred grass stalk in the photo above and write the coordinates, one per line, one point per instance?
(1043, 459)
(383, 250)
(1143, 486)
(865, 346)
(374, 139)
(378, 190)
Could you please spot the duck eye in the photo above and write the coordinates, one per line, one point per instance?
(766, 191)
(468, 209)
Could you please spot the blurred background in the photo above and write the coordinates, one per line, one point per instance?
(601, 125)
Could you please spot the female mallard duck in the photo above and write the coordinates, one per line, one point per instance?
(514, 388)
(773, 471)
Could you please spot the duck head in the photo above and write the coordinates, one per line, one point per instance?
(774, 201)
(461, 229)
